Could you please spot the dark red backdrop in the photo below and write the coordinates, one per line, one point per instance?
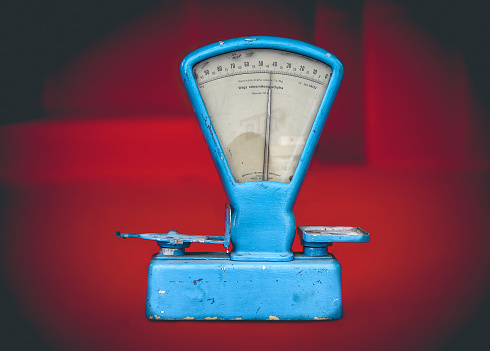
(404, 155)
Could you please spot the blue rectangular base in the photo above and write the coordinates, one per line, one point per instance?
(209, 286)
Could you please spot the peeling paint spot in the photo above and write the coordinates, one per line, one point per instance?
(162, 311)
(238, 319)
(273, 318)
(210, 318)
(189, 318)
(263, 266)
(162, 291)
(151, 317)
(167, 252)
(221, 43)
(158, 318)
(329, 54)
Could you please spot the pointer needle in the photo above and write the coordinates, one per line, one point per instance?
(265, 175)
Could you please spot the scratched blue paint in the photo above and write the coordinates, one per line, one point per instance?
(173, 239)
(261, 279)
(210, 286)
(262, 224)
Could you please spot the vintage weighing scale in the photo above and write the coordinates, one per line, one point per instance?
(261, 103)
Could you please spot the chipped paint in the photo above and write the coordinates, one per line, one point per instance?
(209, 297)
(212, 284)
(174, 238)
(158, 318)
(215, 295)
(321, 318)
(238, 319)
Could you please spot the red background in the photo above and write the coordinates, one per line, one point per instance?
(404, 155)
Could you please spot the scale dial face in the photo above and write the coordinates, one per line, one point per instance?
(262, 104)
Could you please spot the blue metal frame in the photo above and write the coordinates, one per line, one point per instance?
(262, 224)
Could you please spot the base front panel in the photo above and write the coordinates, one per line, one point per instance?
(212, 287)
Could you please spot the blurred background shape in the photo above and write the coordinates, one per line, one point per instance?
(97, 135)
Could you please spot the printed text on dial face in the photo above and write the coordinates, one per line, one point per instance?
(239, 87)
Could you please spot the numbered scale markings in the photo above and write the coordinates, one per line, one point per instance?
(262, 104)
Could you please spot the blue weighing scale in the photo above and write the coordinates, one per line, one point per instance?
(261, 104)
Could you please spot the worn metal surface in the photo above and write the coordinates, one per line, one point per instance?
(322, 234)
(316, 239)
(263, 224)
(210, 287)
(173, 239)
(261, 279)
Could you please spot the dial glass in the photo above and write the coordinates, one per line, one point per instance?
(262, 104)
